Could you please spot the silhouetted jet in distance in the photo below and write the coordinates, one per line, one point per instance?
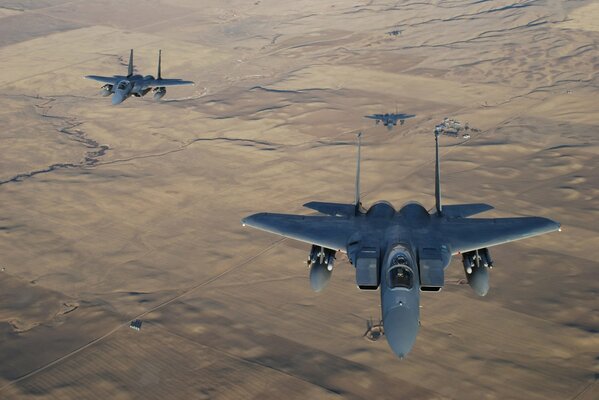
(390, 120)
(122, 87)
(401, 252)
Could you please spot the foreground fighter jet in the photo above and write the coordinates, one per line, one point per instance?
(390, 120)
(403, 252)
(121, 87)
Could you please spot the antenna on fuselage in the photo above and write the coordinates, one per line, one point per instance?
(159, 76)
(130, 69)
(358, 204)
(437, 173)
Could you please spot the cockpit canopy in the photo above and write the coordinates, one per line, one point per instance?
(400, 274)
(123, 85)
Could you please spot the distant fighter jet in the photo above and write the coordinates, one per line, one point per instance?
(403, 252)
(121, 87)
(390, 120)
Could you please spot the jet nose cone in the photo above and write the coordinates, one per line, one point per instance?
(401, 328)
(117, 99)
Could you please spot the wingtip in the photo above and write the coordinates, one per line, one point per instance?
(554, 225)
(249, 220)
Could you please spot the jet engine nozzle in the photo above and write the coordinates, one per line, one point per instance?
(159, 93)
(476, 265)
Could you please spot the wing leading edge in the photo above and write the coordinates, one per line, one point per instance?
(326, 231)
(466, 234)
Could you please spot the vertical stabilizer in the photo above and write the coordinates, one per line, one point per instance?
(130, 69)
(358, 204)
(437, 175)
(159, 76)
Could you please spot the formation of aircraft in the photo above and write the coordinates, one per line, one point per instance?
(122, 87)
(390, 120)
(401, 252)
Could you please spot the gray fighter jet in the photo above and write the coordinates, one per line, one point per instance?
(122, 87)
(403, 252)
(390, 120)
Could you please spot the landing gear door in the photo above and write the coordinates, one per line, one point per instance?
(431, 264)
(368, 268)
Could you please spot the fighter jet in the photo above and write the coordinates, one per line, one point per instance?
(390, 120)
(401, 252)
(122, 87)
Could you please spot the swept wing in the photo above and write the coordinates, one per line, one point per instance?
(326, 231)
(466, 234)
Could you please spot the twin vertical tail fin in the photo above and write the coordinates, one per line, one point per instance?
(358, 204)
(130, 69)
(159, 75)
(438, 206)
(437, 175)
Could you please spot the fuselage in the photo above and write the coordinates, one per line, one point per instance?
(400, 299)
(399, 235)
(135, 85)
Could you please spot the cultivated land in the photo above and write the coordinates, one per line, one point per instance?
(115, 213)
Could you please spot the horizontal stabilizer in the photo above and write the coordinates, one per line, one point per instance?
(112, 80)
(465, 210)
(332, 209)
(170, 82)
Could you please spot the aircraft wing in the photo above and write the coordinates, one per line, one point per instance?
(326, 231)
(466, 234)
(113, 80)
(374, 116)
(169, 82)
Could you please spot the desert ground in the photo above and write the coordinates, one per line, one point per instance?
(114, 213)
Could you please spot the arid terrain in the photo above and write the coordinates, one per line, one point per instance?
(112, 213)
